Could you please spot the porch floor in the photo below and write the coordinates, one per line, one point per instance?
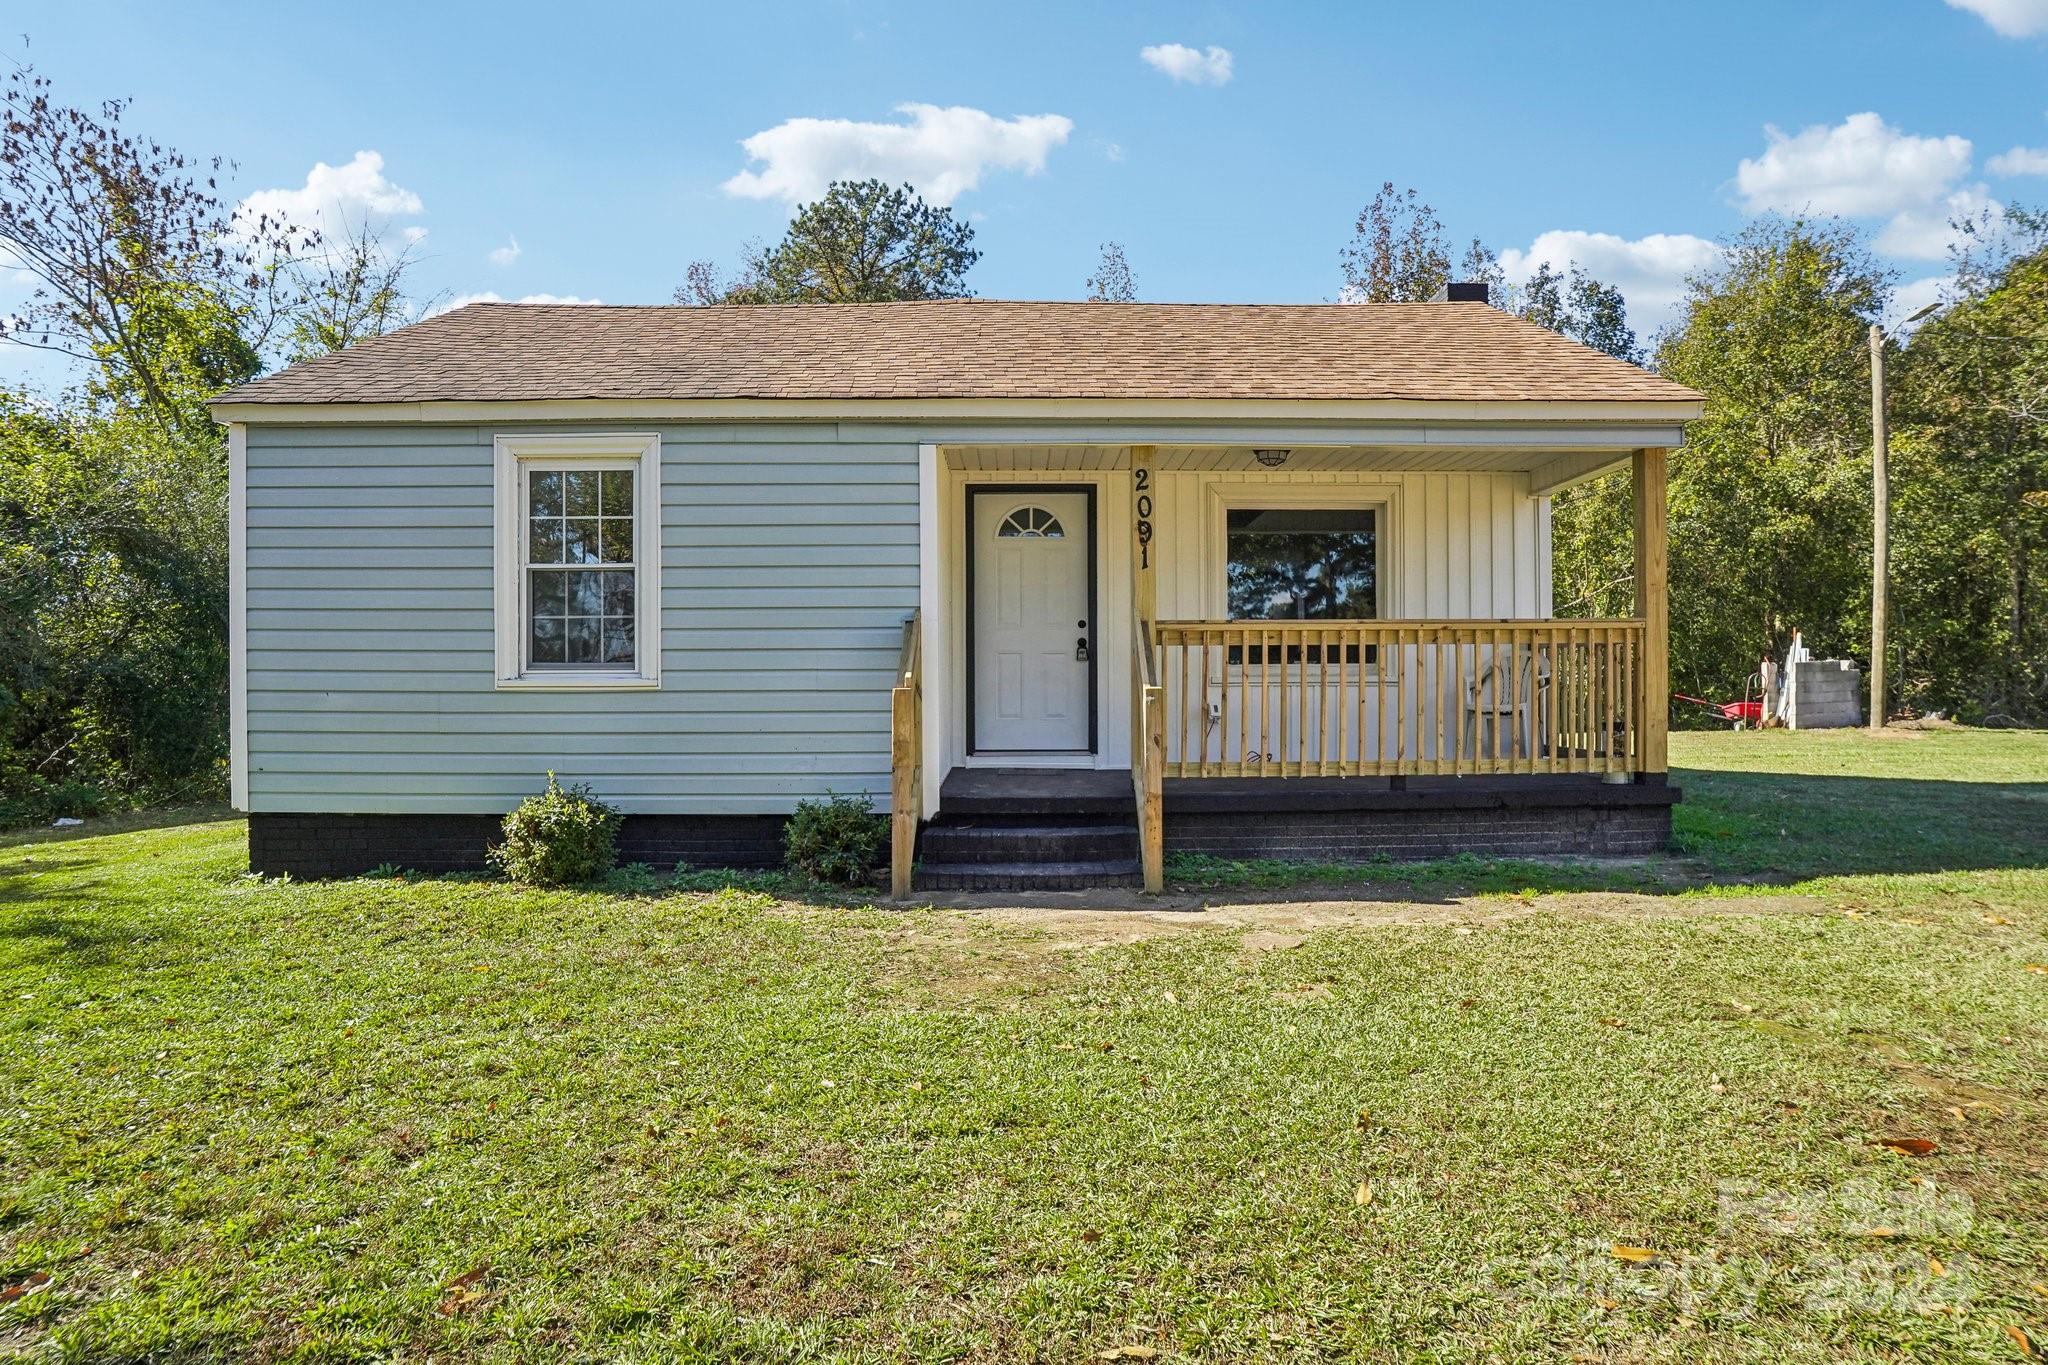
(1107, 791)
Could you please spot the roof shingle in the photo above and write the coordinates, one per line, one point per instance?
(967, 348)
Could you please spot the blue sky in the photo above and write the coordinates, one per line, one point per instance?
(606, 140)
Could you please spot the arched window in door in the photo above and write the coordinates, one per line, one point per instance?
(1031, 521)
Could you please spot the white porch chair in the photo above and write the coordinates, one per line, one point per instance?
(1509, 690)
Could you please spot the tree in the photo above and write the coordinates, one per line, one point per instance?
(863, 242)
(1599, 317)
(1112, 281)
(1770, 496)
(350, 288)
(113, 497)
(1970, 469)
(1578, 306)
(1397, 252)
(140, 272)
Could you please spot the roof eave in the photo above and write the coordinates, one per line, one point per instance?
(229, 409)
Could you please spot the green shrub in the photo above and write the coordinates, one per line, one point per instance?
(558, 838)
(28, 798)
(838, 839)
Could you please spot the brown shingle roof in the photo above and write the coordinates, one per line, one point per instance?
(967, 348)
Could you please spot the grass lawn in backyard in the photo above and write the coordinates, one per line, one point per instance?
(1468, 1111)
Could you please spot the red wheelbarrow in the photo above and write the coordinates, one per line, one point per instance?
(1734, 712)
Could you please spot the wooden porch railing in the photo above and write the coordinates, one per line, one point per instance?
(906, 759)
(1148, 755)
(1399, 698)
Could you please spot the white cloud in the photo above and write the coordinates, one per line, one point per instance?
(1188, 65)
(492, 296)
(2020, 161)
(506, 254)
(2012, 18)
(1860, 167)
(940, 152)
(1925, 233)
(1650, 271)
(336, 199)
(1912, 297)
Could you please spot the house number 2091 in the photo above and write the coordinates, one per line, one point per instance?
(1141, 481)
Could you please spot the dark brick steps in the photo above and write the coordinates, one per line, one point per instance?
(1034, 843)
(1077, 876)
(1025, 829)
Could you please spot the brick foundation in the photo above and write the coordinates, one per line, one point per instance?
(1323, 821)
(316, 845)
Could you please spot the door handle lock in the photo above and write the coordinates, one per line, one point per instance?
(1081, 650)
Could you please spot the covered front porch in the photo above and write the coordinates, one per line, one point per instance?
(1279, 647)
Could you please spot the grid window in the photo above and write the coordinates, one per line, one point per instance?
(581, 569)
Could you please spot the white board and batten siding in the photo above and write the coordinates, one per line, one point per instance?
(789, 561)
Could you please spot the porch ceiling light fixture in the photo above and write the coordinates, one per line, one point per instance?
(1271, 459)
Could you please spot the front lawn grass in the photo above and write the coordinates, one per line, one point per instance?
(402, 1119)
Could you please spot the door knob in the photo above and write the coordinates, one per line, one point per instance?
(1081, 650)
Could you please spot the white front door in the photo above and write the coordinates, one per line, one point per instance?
(1033, 631)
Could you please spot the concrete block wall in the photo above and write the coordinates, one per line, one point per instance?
(1823, 694)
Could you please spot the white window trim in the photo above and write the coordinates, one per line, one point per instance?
(511, 456)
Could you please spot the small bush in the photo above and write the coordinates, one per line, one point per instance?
(838, 839)
(562, 836)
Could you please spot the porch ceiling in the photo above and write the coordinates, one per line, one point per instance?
(1553, 466)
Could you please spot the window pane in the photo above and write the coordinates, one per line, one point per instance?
(616, 492)
(544, 498)
(616, 540)
(547, 640)
(547, 592)
(583, 639)
(618, 642)
(1302, 564)
(580, 546)
(544, 541)
(586, 593)
(618, 594)
(579, 495)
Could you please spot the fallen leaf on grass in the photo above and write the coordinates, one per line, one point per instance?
(1127, 1353)
(1090, 1235)
(1910, 1146)
(2038, 968)
(461, 1294)
(2038, 1288)
(1935, 1267)
(1880, 1232)
(1633, 1255)
(1364, 1194)
(35, 1280)
(2023, 1341)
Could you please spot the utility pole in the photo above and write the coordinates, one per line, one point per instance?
(1881, 512)
(1880, 526)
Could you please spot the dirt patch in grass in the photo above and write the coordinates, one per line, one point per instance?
(1268, 925)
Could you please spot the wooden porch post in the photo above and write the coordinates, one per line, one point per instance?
(1653, 605)
(1144, 550)
(1148, 698)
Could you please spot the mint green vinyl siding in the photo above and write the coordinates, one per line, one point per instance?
(789, 560)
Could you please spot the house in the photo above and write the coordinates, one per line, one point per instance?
(1066, 587)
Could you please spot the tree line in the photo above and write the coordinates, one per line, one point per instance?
(158, 295)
